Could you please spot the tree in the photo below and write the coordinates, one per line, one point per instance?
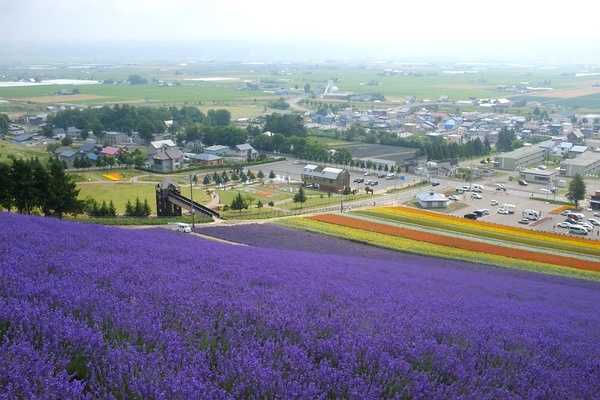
(271, 175)
(300, 197)
(136, 79)
(145, 209)
(306, 88)
(206, 180)
(6, 187)
(218, 117)
(23, 186)
(239, 203)
(4, 124)
(67, 141)
(62, 194)
(112, 210)
(260, 174)
(577, 190)
(129, 211)
(259, 204)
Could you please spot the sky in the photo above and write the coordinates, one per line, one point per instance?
(466, 27)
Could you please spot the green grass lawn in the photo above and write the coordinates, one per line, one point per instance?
(328, 141)
(8, 149)
(88, 176)
(315, 200)
(119, 193)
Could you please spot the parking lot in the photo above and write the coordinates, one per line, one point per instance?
(292, 169)
(522, 201)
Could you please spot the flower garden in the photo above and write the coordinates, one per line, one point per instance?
(486, 229)
(91, 312)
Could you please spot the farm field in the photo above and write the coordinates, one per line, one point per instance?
(485, 229)
(166, 314)
(391, 240)
(120, 192)
(8, 149)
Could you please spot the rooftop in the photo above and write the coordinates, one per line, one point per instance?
(585, 159)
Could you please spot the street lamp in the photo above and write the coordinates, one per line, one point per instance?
(192, 205)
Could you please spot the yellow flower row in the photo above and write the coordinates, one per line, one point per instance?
(496, 231)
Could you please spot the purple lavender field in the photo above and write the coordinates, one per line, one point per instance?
(95, 312)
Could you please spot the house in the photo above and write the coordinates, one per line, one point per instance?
(87, 147)
(217, 150)
(205, 159)
(327, 179)
(430, 200)
(110, 151)
(22, 138)
(59, 133)
(246, 151)
(159, 144)
(167, 159)
(73, 132)
(575, 136)
(115, 138)
(67, 155)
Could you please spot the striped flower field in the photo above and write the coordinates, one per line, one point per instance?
(486, 229)
(459, 243)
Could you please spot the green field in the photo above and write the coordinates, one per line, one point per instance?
(8, 149)
(119, 193)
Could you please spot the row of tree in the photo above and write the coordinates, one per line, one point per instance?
(30, 186)
(125, 118)
(4, 124)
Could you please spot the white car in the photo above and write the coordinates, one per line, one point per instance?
(594, 221)
(503, 211)
(476, 196)
(494, 202)
(453, 198)
(565, 224)
(587, 226)
(183, 227)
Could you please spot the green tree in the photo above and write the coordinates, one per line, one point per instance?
(6, 187)
(239, 203)
(219, 117)
(129, 210)
(577, 190)
(259, 204)
(112, 210)
(300, 197)
(4, 124)
(272, 175)
(260, 174)
(62, 195)
(206, 180)
(23, 186)
(67, 141)
(145, 209)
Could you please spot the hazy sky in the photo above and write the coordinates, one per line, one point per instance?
(395, 23)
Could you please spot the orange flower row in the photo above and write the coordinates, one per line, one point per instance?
(464, 244)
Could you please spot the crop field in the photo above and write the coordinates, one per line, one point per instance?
(121, 192)
(97, 94)
(155, 314)
(486, 229)
(8, 150)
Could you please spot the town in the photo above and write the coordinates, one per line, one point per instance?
(299, 200)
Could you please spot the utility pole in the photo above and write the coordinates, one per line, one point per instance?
(192, 207)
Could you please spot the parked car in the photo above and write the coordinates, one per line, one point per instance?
(453, 197)
(501, 187)
(381, 175)
(523, 182)
(587, 226)
(566, 213)
(524, 221)
(374, 183)
(494, 203)
(594, 221)
(503, 211)
(578, 230)
(476, 196)
(564, 224)
(359, 180)
(366, 173)
(471, 216)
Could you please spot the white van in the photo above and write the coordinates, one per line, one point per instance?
(532, 215)
(578, 230)
(183, 227)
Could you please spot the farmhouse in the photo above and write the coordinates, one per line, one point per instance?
(586, 164)
(327, 179)
(432, 200)
(205, 159)
(167, 159)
